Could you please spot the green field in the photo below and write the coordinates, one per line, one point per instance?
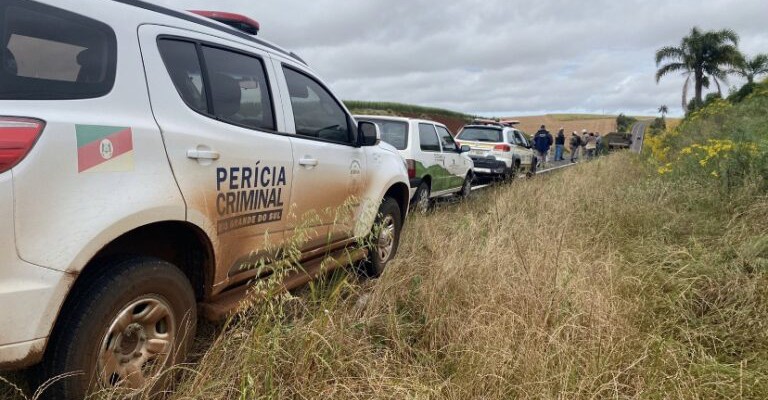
(386, 108)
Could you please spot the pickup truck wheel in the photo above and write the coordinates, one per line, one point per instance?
(421, 199)
(121, 330)
(385, 238)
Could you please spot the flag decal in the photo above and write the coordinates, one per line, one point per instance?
(104, 148)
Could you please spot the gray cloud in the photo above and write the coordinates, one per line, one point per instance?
(497, 56)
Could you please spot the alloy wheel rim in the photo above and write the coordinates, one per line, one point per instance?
(137, 344)
(386, 240)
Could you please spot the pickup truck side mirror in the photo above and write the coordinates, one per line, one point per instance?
(369, 133)
(464, 149)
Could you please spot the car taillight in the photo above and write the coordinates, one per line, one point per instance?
(17, 136)
(411, 164)
(503, 147)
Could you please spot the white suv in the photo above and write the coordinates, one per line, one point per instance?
(436, 165)
(498, 151)
(148, 159)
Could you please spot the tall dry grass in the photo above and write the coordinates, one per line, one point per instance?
(603, 281)
(600, 282)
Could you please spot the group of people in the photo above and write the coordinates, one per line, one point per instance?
(587, 145)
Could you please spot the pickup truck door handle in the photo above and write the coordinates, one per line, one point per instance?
(308, 162)
(203, 154)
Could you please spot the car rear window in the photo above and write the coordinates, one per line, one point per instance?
(392, 132)
(48, 53)
(481, 135)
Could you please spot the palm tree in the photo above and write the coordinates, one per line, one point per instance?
(663, 110)
(701, 55)
(749, 68)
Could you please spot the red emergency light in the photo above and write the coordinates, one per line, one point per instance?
(237, 21)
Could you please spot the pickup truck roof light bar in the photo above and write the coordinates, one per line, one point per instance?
(237, 21)
(206, 22)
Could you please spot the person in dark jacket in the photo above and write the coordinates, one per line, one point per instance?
(542, 141)
(560, 145)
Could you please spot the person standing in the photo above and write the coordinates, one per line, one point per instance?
(560, 145)
(599, 143)
(575, 144)
(542, 141)
(584, 137)
(591, 145)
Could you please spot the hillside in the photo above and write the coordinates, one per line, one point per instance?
(529, 124)
(452, 119)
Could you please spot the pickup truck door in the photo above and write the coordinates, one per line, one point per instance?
(329, 166)
(432, 158)
(452, 160)
(522, 149)
(233, 171)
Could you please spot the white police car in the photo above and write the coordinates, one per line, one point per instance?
(498, 149)
(147, 157)
(436, 165)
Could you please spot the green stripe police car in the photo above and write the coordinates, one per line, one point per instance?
(436, 165)
(149, 160)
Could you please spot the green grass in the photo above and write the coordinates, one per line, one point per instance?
(359, 107)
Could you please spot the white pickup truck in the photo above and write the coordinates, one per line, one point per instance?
(147, 157)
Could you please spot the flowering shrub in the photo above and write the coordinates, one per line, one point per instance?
(723, 143)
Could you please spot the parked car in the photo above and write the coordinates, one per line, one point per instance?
(145, 153)
(498, 150)
(436, 165)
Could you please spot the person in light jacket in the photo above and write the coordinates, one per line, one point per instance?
(575, 145)
(591, 145)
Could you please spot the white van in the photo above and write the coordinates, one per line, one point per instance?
(436, 165)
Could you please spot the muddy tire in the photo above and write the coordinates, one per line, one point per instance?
(466, 187)
(513, 173)
(121, 329)
(421, 201)
(385, 238)
(532, 171)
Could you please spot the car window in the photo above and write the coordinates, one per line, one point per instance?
(316, 113)
(47, 53)
(183, 65)
(446, 139)
(392, 132)
(239, 88)
(482, 135)
(521, 137)
(428, 138)
(514, 138)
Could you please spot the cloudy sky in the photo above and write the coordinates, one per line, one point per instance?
(497, 57)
